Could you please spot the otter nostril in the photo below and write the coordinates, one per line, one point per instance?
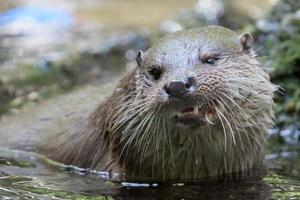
(191, 82)
(167, 89)
(176, 89)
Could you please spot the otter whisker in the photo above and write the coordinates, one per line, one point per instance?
(124, 114)
(163, 157)
(141, 125)
(238, 120)
(234, 118)
(128, 132)
(137, 129)
(149, 137)
(246, 117)
(165, 131)
(148, 123)
(144, 135)
(129, 117)
(224, 130)
(238, 95)
(227, 122)
(250, 116)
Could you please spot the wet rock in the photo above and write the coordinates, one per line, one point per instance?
(79, 68)
(18, 101)
(33, 96)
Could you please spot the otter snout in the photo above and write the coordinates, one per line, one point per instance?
(179, 88)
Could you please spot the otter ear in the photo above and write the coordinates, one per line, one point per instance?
(246, 41)
(139, 57)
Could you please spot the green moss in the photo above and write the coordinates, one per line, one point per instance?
(282, 187)
(27, 79)
(279, 39)
(13, 162)
(11, 180)
(55, 77)
(274, 179)
(63, 194)
(285, 195)
(286, 64)
(37, 77)
(4, 109)
(287, 61)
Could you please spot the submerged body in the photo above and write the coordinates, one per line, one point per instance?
(197, 105)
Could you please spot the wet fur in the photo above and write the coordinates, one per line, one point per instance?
(133, 132)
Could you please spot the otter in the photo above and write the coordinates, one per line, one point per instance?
(197, 105)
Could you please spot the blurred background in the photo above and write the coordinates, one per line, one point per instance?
(50, 47)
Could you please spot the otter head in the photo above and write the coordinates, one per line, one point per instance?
(198, 104)
(193, 77)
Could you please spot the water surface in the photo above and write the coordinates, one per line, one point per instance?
(25, 175)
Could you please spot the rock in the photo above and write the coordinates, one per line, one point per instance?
(170, 26)
(33, 96)
(17, 101)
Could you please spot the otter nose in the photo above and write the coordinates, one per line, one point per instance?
(179, 88)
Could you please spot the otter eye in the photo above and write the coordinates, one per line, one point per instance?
(155, 72)
(210, 60)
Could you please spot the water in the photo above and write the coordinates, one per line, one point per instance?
(26, 175)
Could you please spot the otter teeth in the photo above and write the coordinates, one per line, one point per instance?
(208, 118)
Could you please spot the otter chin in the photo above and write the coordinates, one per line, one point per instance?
(197, 105)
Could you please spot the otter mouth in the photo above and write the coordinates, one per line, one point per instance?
(195, 116)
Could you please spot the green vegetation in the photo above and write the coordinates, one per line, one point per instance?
(286, 72)
(31, 85)
(283, 187)
(278, 35)
(63, 194)
(34, 83)
(13, 162)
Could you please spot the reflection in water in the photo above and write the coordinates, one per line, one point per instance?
(23, 174)
(44, 183)
(215, 190)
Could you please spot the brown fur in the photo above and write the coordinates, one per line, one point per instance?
(132, 131)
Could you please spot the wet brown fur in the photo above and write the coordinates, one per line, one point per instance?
(100, 142)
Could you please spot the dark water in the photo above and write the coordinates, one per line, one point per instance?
(25, 175)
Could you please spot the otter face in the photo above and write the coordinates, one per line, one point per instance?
(196, 77)
(198, 104)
